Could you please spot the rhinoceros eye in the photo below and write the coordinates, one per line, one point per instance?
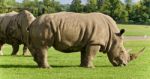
(121, 51)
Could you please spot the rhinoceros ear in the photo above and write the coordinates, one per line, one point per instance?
(121, 32)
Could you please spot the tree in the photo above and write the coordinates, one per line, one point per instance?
(116, 9)
(48, 6)
(76, 6)
(91, 6)
(100, 3)
(57, 6)
(128, 5)
(146, 11)
(128, 8)
(51, 6)
(141, 12)
(27, 3)
(66, 7)
(36, 7)
(7, 5)
(30, 5)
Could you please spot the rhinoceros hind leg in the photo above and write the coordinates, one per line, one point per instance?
(87, 56)
(15, 49)
(1, 52)
(25, 51)
(40, 57)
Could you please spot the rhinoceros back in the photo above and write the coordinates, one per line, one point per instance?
(4, 22)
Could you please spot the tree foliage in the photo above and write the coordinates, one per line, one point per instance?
(141, 12)
(6, 3)
(122, 12)
(116, 9)
(76, 6)
(91, 6)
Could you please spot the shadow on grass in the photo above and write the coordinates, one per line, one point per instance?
(18, 66)
(53, 66)
(104, 66)
(34, 66)
(67, 66)
(15, 56)
(64, 66)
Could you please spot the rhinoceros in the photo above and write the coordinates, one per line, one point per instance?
(13, 29)
(88, 33)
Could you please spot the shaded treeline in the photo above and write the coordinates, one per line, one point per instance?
(122, 12)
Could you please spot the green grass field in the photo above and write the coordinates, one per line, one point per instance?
(135, 30)
(66, 66)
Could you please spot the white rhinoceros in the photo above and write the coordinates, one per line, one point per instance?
(71, 32)
(13, 29)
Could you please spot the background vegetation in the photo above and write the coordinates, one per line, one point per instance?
(135, 30)
(127, 12)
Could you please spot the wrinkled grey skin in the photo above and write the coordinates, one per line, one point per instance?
(13, 30)
(71, 32)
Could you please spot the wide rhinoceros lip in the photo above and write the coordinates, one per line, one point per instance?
(118, 62)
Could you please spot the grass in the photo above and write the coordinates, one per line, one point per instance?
(66, 66)
(135, 30)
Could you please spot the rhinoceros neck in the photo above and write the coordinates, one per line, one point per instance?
(109, 42)
(112, 27)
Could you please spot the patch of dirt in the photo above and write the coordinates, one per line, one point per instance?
(137, 37)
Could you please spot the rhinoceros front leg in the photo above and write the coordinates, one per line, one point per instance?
(87, 56)
(15, 49)
(25, 50)
(40, 57)
(1, 44)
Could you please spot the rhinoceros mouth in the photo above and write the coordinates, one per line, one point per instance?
(119, 64)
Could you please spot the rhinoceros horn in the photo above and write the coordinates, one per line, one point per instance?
(135, 55)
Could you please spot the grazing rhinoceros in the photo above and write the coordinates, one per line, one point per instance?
(13, 29)
(72, 32)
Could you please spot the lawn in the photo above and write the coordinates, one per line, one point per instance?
(135, 30)
(66, 66)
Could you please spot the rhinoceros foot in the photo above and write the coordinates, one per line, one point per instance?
(27, 53)
(43, 66)
(87, 65)
(1, 53)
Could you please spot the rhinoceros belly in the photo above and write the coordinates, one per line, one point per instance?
(66, 48)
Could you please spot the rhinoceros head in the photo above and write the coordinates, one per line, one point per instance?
(117, 54)
(25, 19)
(28, 17)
